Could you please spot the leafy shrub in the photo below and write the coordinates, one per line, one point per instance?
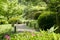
(36, 15)
(3, 22)
(14, 20)
(34, 24)
(10, 8)
(46, 20)
(43, 35)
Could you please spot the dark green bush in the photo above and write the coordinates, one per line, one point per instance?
(46, 20)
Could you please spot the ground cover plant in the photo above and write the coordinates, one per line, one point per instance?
(42, 35)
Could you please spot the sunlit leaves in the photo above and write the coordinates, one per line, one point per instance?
(10, 8)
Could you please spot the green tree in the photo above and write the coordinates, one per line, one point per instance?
(10, 8)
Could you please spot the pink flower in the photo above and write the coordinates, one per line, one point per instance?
(7, 37)
(33, 34)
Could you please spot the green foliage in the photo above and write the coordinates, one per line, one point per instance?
(3, 1)
(43, 35)
(3, 22)
(5, 28)
(53, 5)
(9, 9)
(36, 15)
(30, 2)
(31, 9)
(53, 29)
(12, 8)
(46, 20)
(35, 10)
(14, 20)
(34, 24)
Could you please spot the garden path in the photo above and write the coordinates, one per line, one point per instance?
(23, 28)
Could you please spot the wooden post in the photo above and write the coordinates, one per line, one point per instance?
(14, 29)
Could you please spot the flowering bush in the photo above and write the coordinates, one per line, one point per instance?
(7, 37)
